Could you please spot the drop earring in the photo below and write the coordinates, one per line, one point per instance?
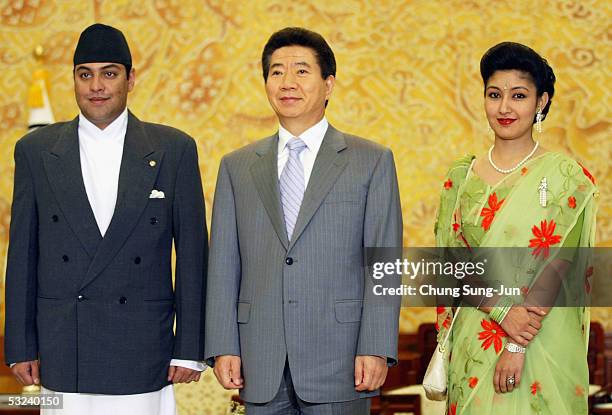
(539, 117)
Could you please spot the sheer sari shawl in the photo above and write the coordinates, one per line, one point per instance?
(522, 222)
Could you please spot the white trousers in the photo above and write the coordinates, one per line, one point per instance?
(160, 402)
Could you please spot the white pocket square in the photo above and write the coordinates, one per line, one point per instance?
(157, 194)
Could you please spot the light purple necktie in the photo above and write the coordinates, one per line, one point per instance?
(292, 184)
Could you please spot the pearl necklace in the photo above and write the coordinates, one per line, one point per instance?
(520, 163)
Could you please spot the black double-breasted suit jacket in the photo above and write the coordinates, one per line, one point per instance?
(99, 311)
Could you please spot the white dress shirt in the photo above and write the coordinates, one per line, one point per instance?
(313, 137)
(101, 152)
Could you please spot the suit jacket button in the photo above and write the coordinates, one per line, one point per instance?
(289, 261)
(136, 261)
(65, 258)
(122, 300)
(154, 221)
(81, 298)
(54, 218)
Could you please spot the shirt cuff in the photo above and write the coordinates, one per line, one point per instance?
(189, 364)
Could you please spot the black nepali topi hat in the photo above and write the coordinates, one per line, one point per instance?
(102, 43)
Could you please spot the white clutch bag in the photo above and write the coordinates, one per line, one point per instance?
(435, 380)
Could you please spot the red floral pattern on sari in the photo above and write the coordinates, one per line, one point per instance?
(492, 335)
(446, 322)
(456, 225)
(448, 184)
(489, 212)
(472, 382)
(452, 409)
(571, 202)
(587, 173)
(544, 238)
(535, 388)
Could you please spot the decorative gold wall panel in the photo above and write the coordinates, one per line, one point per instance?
(407, 78)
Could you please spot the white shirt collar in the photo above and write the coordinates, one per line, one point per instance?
(115, 130)
(313, 137)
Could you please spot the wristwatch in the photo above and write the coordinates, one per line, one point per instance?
(515, 348)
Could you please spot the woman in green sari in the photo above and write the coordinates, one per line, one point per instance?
(519, 195)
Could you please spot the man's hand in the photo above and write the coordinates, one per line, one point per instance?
(370, 372)
(27, 372)
(178, 374)
(227, 371)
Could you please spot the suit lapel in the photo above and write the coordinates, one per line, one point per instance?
(136, 180)
(265, 176)
(330, 162)
(63, 169)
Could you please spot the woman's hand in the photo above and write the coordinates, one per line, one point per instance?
(523, 323)
(509, 366)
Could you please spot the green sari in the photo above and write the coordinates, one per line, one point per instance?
(472, 213)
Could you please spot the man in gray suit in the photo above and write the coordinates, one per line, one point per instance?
(98, 202)
(289, 318)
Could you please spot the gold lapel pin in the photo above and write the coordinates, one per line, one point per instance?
(152, 163)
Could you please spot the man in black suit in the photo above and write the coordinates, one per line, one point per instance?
(98, 202)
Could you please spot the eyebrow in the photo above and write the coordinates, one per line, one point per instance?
(276, 65)
(110, 66)
(512, 89)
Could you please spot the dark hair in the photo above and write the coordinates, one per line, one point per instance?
(511, 55)
(298, 36)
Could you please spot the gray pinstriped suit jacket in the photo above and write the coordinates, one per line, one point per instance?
(270, 299)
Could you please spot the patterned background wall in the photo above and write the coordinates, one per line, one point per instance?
(407, 78)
